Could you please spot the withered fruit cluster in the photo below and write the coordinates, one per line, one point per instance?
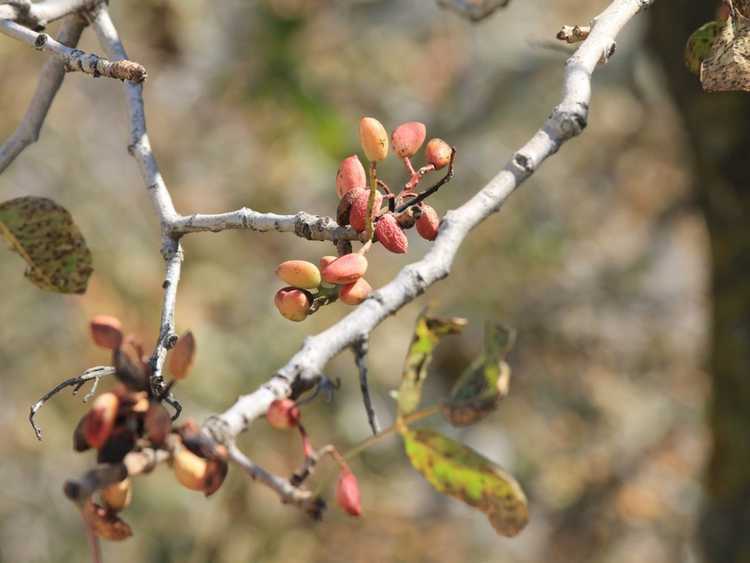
(131, 420)
(372, 209)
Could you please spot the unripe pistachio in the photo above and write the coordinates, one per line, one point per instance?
(358, 210)
(355, 293)
(428, 223)
(351, 175)
(292, 303)
(390, 235)
(346, 269)
(106, 331)
(408, 138)
(374, 139)
(299, 273)
(100, 420)
(438, 153)
(283, 414)
(347, 493)
(118, 495)
(325, 260)
(191, 470)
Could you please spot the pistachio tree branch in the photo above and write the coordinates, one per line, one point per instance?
(41, 13)
(140, 148)
(288, 493)
(305, 225)
(50, 80)
(75, 59)
(566, 121)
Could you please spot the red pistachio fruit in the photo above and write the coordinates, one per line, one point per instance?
(292, 303)
(438, 153)
(351, 175)
(325, 260)
(347, 493)
(283, 414)
(428, 223)
(391, 235)
(407, 138)
(355, 293)
(358, 210)
(346, 269)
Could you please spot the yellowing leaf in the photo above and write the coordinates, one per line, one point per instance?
(699, 45)
(728, 66)
(458, 471)
(480, 388)
(427, 334)
(46, 237)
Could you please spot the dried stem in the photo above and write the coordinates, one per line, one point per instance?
(75, 59)
(95, 374)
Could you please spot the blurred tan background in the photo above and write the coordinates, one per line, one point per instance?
(600, 261)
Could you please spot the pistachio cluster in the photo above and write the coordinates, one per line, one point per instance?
(372, 209)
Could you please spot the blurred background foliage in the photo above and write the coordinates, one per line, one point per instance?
(601, 262)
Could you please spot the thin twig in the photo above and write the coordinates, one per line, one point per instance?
(360, 348)
(288, 493)
(95, 373)
(428, 192)
(75, 59)
(50, 80)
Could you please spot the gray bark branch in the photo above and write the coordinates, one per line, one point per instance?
(567, 120)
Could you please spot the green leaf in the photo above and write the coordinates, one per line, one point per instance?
(427, 334)
(487, 380)
(46, 237)
(699, 45)
(458, 471)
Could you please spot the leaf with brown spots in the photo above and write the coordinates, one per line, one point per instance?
(458, 471)
(727, 68)
(485, 382)
(46, 237)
